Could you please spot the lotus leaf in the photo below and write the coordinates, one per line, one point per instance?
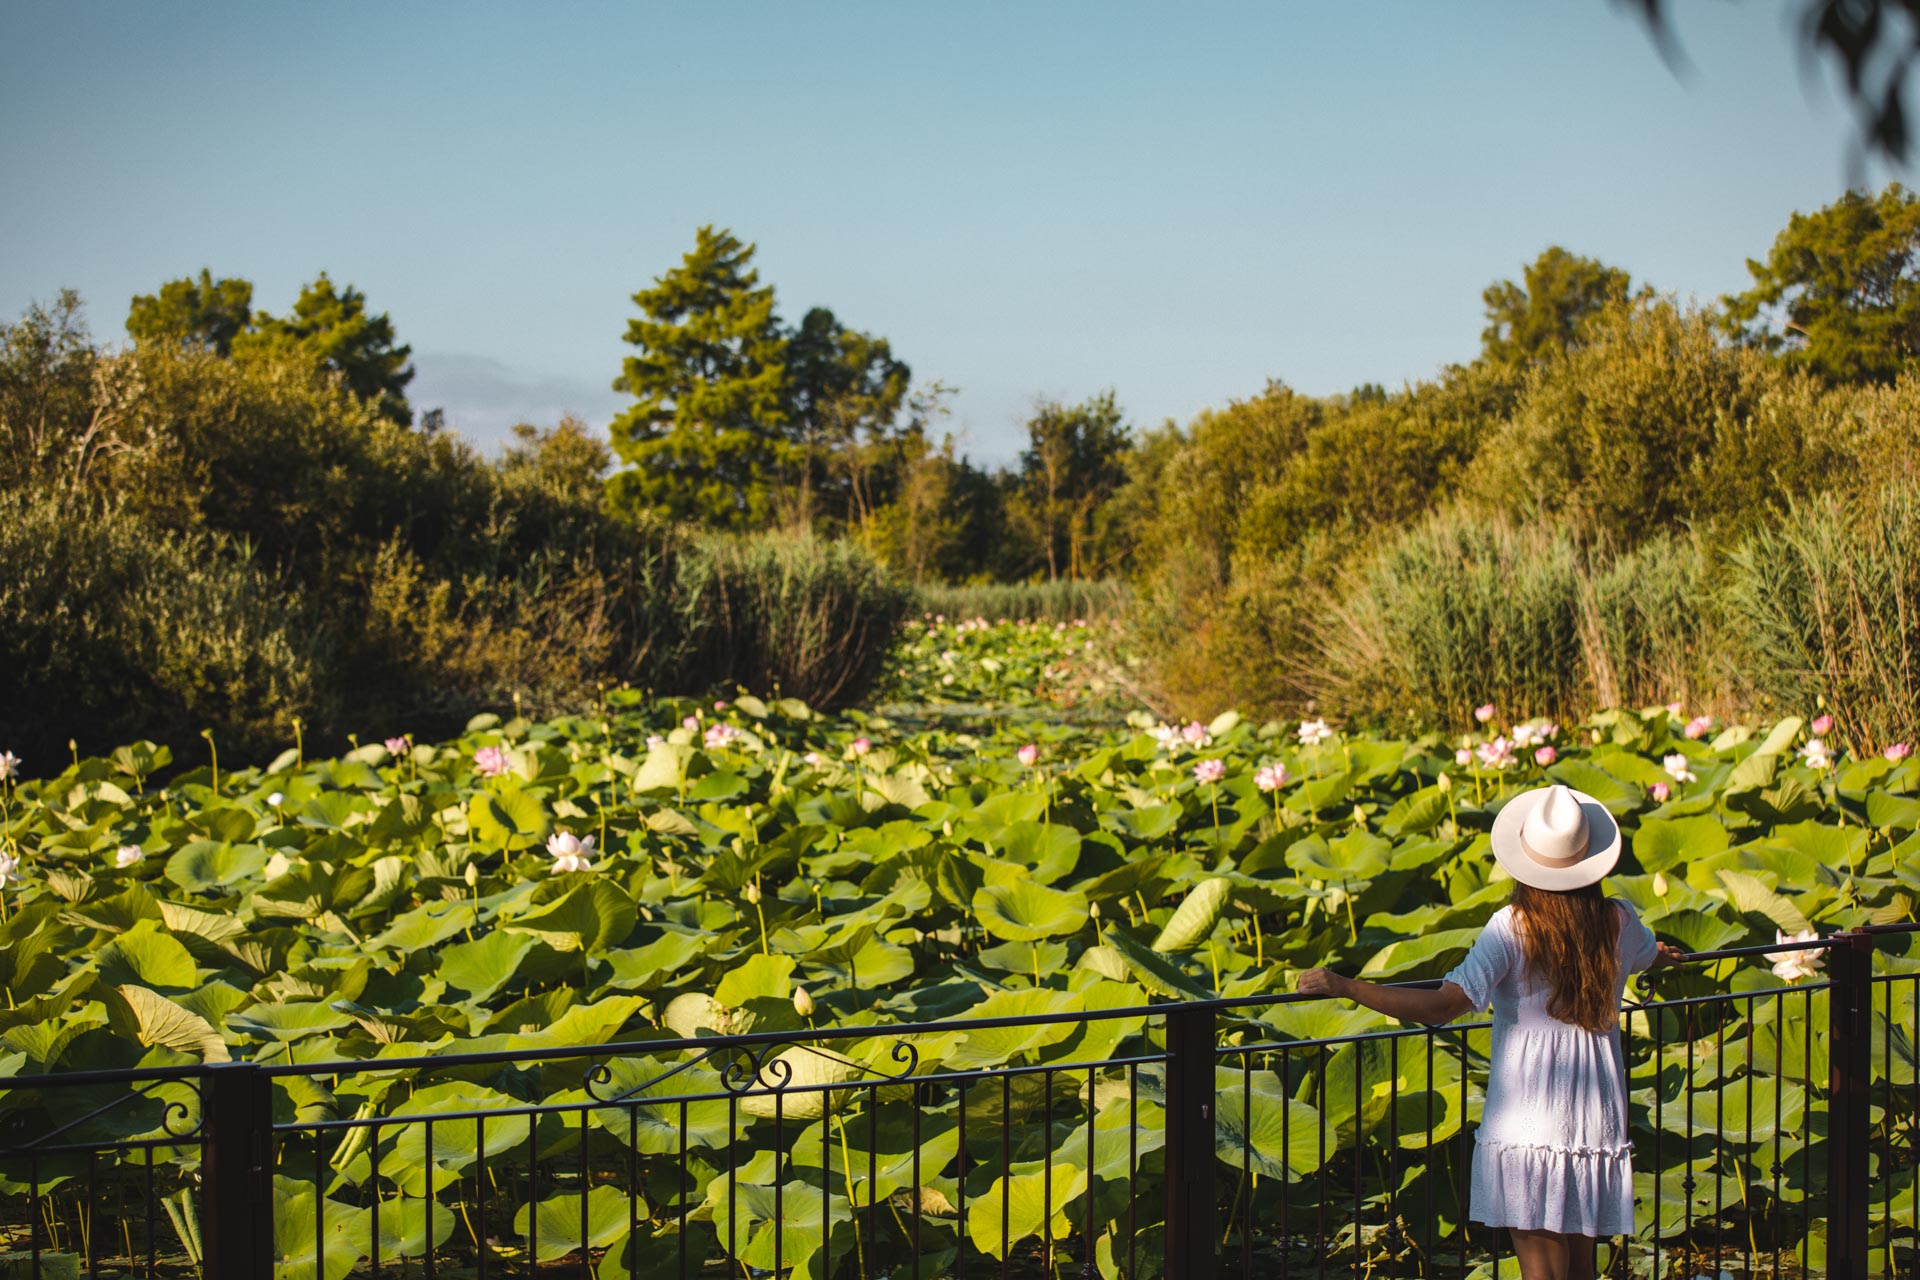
(1426, 956)
(591, 917)
(1020, 1201)
(509, 819)
(1026, 911)
(147, 957)
(206, 867)
(757, 976)
(749, 1213)
(1194, 920)
(151, 1019)
(556, 1230)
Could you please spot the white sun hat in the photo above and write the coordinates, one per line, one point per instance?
(1556, 838)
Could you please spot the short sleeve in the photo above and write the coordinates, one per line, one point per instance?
(1489, 961)
(1637, 944)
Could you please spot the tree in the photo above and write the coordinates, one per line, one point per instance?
(570, 459)
(844, 392)
(706, 436)
(1545, 315)
(204, 313)
(1072, 462)
(330, 327)
(1840, 292)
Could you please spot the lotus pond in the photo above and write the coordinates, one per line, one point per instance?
(1004, 840)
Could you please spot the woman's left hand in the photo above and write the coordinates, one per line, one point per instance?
(1322, 982)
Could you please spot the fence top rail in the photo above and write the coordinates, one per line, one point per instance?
(897, 1031)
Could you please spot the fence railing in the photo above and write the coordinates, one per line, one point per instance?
(1776, 1127)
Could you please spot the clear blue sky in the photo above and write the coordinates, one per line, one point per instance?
(1178, 202)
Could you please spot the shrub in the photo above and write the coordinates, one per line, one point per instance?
(1828, 603)
(790, 615)
(113, 629)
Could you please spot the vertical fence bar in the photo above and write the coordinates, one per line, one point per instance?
(1191, 1214)
(236, 1120)
(1849, 1053)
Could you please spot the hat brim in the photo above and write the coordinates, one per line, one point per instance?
(1603, 844)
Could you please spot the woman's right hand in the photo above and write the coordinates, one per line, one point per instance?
(1322, 982)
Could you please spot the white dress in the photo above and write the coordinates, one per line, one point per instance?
(1552, 1152)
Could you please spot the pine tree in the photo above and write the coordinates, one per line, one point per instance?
(708, 436)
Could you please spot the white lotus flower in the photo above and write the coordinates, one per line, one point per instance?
(570, 852)
(1527, 735)
(1676, 767)
(1816, 753)
(9, 871)
(1314, 732)
(128, 855)
(275, 800)
(9, 766)
(1791, 966)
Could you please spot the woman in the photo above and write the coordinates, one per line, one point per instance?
(1551, 1160)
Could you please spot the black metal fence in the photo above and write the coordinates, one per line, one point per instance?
(1777, 1133)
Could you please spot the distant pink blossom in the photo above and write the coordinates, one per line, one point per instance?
(1271, 777)
(1673, 708)
(490, 762)
(1312, 733)
(814, 758)
(720, 735)
(655, 740)
(1898, 751)
(1029, 755)
(1210, 771)
(690, 723)
(128, 855)
(1698, 726)
(397, 746)
(1660, 791)
(1483, 713)
(861, 746)
(1463, 757)
(719, 704)
(1677, 768)
(1821, 724)
(1196, 735)
(1545, 756)
(1497, 754)
(570, 852)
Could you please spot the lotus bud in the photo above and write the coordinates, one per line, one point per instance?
(472, 875)
(1093, 910)
(275, 800)
(1444, 782)
(751, 893)
(1359, 816)
(1660, 884)
(802, 1002)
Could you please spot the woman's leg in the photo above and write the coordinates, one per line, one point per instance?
(1544, 1255)
(1580, 1256)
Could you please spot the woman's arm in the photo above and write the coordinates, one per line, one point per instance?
(1432, 1006)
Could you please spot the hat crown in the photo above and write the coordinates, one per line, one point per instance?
(1555, 833)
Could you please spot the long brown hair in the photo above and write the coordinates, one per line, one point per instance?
(1570, 939)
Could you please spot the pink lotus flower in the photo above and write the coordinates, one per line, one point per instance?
(690, 723)
(1497, 754)
(1029, 755)
(719, 704)
(128, 855)
(1313, 732)
(1196, 735)
(1659, 791)
(1209, 771)
(1463, 757)
(1167, 736)
(1898, 751)
(570, 852)
(861, 746)
(1545, 756)
(1673, 708)
(1821, 725)
(397, 746)
(490, 762)
(655, 740)
(720, 735)
(1483, 713)
(1698, 726)
(1676, 767)
(814, 758)
(1271, 777)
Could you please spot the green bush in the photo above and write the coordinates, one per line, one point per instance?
(113, 629)
(790, 615)
(1062, 600)
(1827, 603)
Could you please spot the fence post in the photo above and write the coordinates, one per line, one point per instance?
(1191, 1226)
(236, 1172)
(1849, 1055)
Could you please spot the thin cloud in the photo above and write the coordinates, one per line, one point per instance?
(484, 398)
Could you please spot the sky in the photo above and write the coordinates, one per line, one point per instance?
(1175, 202)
